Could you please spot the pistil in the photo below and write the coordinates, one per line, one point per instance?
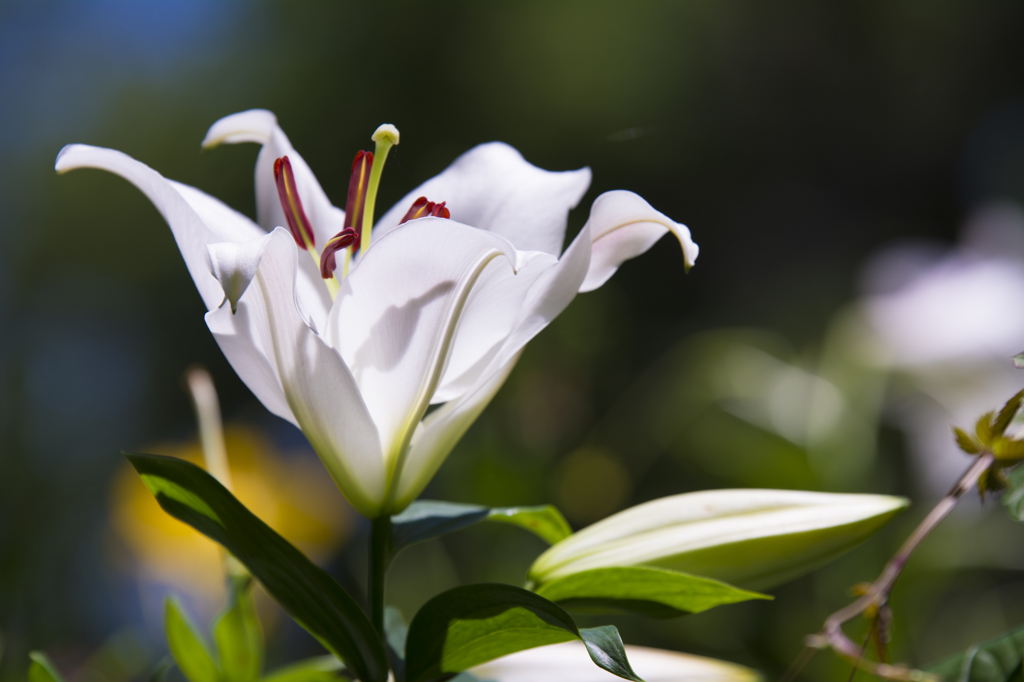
(386, 136)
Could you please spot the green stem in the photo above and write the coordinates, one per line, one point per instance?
(380, 558)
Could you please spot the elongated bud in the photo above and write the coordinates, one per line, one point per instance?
(288, 193)
(357, 183)
(342, 240)
(422, 207)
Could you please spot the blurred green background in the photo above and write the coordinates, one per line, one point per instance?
(796, 139)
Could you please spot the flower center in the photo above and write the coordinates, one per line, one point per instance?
(359, 207)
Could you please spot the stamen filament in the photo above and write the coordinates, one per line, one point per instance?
(386, 136)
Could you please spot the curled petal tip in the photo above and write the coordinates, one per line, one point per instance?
(254, 125)
(57, 164)
(386, 131)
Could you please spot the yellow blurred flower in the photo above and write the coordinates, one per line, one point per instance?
(292, 495)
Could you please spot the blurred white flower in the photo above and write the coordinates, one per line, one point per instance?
(569, 662)
(948, 325)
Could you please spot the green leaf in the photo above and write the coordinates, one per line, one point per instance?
(189, 651)
(1007, 413)
(1006, 449)
(41, 669)
(965, 441)
(311, 596)
(426, 519)
(473, 624)
(239, 636)
(645, 590)
(1013, 497)
(997, 660)
(320, 669)
(984, 428)
(544, 521)
(607, 650)
(1018, 360)
(395, 630)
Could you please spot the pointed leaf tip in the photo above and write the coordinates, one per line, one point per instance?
(604, 644)
(41, 669)
(965, 441)
(188, 650)
(1007, 413)
(654, 592)
(471, 625)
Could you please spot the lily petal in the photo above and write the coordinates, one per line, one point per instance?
(438, 433)
(190, 231)
(435, 437)
(491, 313)
(260, 126)
(268, 337)
(569, 662)
(254, 125)
(234, 265)
(623, 226)
(239, 329)
(494, 188)
(549, 296)
(395, 316)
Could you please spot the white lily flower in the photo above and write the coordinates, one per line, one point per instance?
(436, 311)
(569, 662)
(751, 538)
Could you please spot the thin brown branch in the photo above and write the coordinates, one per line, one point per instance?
(832, 635)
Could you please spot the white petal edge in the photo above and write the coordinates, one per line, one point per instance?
(623, 225)
(569, 662)
(260, 126)
(228, 224)
(319, 391)
(190, 231)
(395, 317)
(494, 188)
(254, 125)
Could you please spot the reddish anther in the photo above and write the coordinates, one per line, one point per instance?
(421, 208)
(344, 239)
(288, 193)
(356, 201)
